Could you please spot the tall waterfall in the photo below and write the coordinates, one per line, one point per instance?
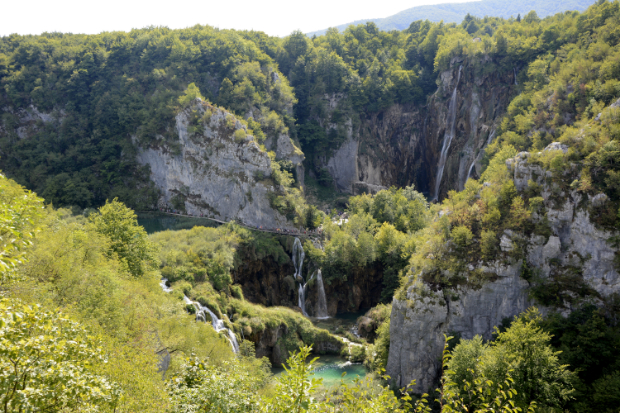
(447, 138)
(515, 73)
(321, 310)
(218, 325)
(471, 168)
(298, 261)
(302, 294)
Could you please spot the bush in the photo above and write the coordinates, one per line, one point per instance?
(357, 354)
(462, 237)
(488, 245)
(240, 135)
(236, 291)
(190, 308)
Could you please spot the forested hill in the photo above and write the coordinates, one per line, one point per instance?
(456, 12)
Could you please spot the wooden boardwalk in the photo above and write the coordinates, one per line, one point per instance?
(291, 233)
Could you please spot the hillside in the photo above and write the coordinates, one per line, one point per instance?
(455, 189)
(456, 12)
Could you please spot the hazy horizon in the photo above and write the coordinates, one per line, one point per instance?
(274, 17)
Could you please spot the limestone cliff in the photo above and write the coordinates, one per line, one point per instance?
(268, 282)
(216, 168)
(574, 255)
(401, 145)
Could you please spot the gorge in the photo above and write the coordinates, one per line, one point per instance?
(440, 203)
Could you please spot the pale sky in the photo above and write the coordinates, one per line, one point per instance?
(275, 17)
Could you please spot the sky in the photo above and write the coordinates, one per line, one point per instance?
(275, 17)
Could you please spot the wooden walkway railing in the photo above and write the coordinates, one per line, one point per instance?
(292, 233)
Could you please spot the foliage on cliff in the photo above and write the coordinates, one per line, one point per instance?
(198, 264)
(566, 96)
(101, 89)
(108, 327)
(378, 231)
(568, 88)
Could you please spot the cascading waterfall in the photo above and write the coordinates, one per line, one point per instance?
(164, 285)
(471, 168)
(298, 261)
(515, 73)
(448, 136)
(302, 294)
(321, 311)
(491, 135)
(218, 325)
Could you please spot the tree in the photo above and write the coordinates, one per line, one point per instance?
(203, 387)
(129, 241)
(46, 363)
(20, 213)
(191, 93)
(523, 355)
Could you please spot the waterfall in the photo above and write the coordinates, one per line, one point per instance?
(321, 311)
(491, 135)
(471, 168)
(298, 259)
(164, 285)
(218, 325)
(447, 138)
(302, 294)
(515, 72)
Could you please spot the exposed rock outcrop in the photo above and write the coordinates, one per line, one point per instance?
(575, 245)
(267, 282)
(216, 168)
(401, 144)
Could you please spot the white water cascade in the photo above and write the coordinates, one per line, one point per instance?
(448, 136)
(164, 285)
(218, 325)
(298, 262)
(515, 73)
(471, 168)
(321, 310)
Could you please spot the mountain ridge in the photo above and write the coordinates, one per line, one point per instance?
(455, 12)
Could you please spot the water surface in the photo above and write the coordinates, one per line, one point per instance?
(330, 369)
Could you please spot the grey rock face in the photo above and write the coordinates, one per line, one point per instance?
(419, 322)
(401, 144)
(215, 173)
(30, 119)
(343, 165)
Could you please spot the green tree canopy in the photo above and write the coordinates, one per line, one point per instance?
(129, 241)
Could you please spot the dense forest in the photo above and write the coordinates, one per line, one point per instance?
(85, 325)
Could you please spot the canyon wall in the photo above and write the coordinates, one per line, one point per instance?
(401, 145)
(217, 169)
(576, 252)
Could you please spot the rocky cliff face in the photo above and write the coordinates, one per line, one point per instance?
(216, 168)
(267, 282)
(575, 249)
(402, 144)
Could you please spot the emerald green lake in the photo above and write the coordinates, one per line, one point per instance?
(330, 369)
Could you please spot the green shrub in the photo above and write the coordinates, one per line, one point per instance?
(236, 291)
(488, 244)
(240, 135)
(462, 236)
(357, 354)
